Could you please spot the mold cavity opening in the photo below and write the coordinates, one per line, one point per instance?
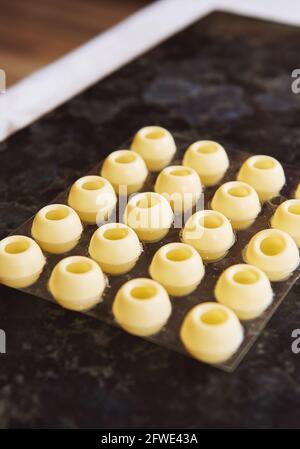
(126, 158)
(294, 209)
(272, 246)
(208, 148)
(115, 233)
(239, 191)
(17, 247)
(214, 316)
(96, 184)
(211, 221)
(147, 201)
(264, 163)
(180, 172)
(179, 254)
(155, 134)
(79, 267)
(57, 214)
(143, 292)
(246, 276)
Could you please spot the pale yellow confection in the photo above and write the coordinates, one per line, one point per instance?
(211, 332)
(209, 159)
(245, 289)
(210, 233)
(77, 283)
(297, 193)
(156, 146)
(178, 267)
(125, 170)
(273, 251)
(56, 228)
(265, 174)
(115, 247)
(287, 218)
(93, 198)
(21, 261)
(142, 307)
(181, 186)
(150, 215)
(239, 202)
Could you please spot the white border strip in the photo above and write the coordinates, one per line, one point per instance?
(51, 86)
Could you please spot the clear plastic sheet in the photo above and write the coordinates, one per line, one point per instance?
(169, 335)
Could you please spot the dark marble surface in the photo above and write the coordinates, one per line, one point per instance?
(226, 78)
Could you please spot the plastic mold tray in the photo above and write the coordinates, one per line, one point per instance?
(169, 335)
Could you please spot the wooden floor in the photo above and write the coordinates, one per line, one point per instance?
(36, 32)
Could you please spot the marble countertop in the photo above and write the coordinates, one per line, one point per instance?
(226, 78)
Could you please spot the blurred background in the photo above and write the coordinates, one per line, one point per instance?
(34, 33)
